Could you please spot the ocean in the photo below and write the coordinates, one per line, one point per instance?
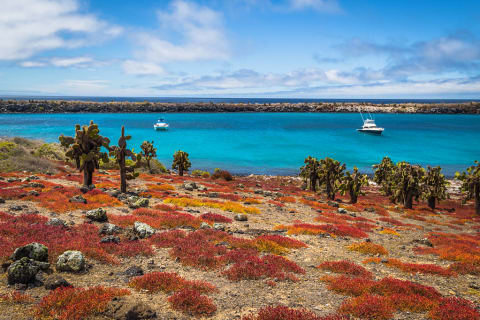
(276, 143)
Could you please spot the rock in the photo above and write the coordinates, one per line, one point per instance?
(57, 222)
(16, 208)
(424, 241)
(10, 180)
(370, 209)
(219, 226)
(140, 203)
(240, 217)
(33, 193)
(85, 189)
(258, 191)
(108, 239)
(98, 215)
(55, 281)
(35, 251)
(133, 271)
(78, 199)
(204, 225)
(190, 186)
(202, 188)
(342, 210)
(2, 200)
(71, 261)
(119, 309)
(109, 229)
(267, 193)
(333, 204)
(240, 186)
(114, 193)
(35, 185)
(212, 195)
(143, 230)
(22, 271)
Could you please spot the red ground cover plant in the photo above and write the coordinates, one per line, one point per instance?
(334, 230)
(167, 239)
(454, 309)
(168, 282)
(192, 303)
(285, 313)
(368, 307)
(286, 242)
(425, 268)
(346, 267)
(76, 303)
(15, 297)
(16, 231)
(287, 199)
(214, 217)
(368, 248)
(157, 219)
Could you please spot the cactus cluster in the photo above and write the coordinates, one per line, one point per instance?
(383, 172)
(309, 172)
(329, 175)
(85, 149)
(471, 184)
(120, 153)
(407, 183)
(353, 183)
(148, 152)
(434, 186)
(181, 162)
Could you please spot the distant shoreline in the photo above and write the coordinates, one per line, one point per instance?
(70, 106)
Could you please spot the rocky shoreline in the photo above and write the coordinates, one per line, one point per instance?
(62, 106)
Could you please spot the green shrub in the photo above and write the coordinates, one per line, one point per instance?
(200, 173)
(50, 151)
(7, 149)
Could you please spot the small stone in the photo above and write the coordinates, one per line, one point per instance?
(202, 188)
(190, 186)
(98, 215)
(109, 229)
(240, 217)
(33, 193)
(35, 185)
(332, 204)
(342, 210)
(370, 209)
(108, 239)
(219, 226)
(258, 191)
(143, 230)
(55, 281)
(57, 222)
(2, 200)
(15, 208)
(204, 225)
(133, 271)
(35, 251)
(140, 203)
(71, 261)
(140, 311)
(78, 199)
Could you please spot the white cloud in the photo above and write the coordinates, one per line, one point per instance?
(199, 35)
(330, 6)
(63, 62)
(31, 26)
(142, 68)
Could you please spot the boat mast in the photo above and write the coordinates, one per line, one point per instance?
(360, 109)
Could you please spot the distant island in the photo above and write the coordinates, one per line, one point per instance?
(64, 106)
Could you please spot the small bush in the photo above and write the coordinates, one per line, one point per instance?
(368, 248)
(346, 267)
(454, 309)
(200, 173)
(192, 303)
(368, 307)
(222, 174)
(76, 303)
(213, 217)
(285, 313)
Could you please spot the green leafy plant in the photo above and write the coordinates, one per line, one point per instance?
(383, 174)
(181, 162)
(471, 184)
(120, 152)
(353, 183)
(149, 152)
(309, 172)
(85, 149)
(406, 183)
(330, 175)
(434, 186)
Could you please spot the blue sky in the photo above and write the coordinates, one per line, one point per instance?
(241, 48)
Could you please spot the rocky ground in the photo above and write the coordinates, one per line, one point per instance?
(266, 206)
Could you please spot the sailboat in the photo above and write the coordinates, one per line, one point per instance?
(369, 125)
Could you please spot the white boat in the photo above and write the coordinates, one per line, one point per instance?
(161, 125)
(369, 126)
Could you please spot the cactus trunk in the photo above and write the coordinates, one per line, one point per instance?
(353, 196)
(123, 174)
(408, 203)
(180, 171)
(431, 202)
(477, 200)
(87, 177)
(313, 182)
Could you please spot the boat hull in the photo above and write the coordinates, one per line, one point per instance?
(160, 128)
(375, 132)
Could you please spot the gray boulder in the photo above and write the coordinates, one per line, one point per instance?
(108, 239)
(35, 251)
(204, 225)
(140, 203)
(109, 229)
(55, 281)
(219, 226)
(57, 222)
(341, 210)
(98, 215)
(71, 261)
(190, 186)
(240, 217)
(78, 199)
(22, 271)
(143, 230)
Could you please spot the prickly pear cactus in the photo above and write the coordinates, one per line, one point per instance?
(434, 186)
(406, 184)
(181, 162)
(309, 172)
(330, 175)
(148, 153)
(353, 183)
(383, 175)
(471, 184)
(120, 153)
(85, 149)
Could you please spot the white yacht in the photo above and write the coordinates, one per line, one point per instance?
(161, 125)
(369, 126)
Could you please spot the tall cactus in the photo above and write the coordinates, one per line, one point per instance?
(120, 152)
(383, 174)
(85, 149)
(309, 172)
(149, 152)
(353, 183)
(181, 162)
(329, 175)
(434, 186)
(471, 184)
(407, 183)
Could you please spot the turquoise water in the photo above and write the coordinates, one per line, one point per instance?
(276, 143)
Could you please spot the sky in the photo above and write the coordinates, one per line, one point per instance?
(241, 48)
